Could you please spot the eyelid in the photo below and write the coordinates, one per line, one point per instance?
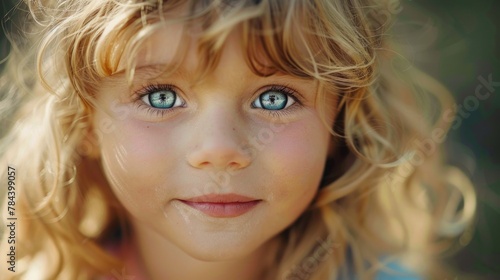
(140, 94)
(150, 88)
(288, 89)
(286, 112)
(291, 92)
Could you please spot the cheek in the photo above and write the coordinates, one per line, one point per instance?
(137, 160)
(297, 164)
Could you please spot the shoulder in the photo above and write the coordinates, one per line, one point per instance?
(395, 271)
(392, 271)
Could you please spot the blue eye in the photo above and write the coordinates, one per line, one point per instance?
(273, 100)
(162, 99)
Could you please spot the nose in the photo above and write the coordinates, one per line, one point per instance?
(218, 143)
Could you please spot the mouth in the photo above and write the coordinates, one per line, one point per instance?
(222, 205)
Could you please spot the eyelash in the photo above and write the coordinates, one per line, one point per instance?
(154, 112)
(151, 111)
(287, 91)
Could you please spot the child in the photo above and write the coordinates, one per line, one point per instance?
(220, 139)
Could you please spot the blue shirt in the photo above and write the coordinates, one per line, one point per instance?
(397, 272)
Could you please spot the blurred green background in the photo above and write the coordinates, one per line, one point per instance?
(459, 42)
(456, 41)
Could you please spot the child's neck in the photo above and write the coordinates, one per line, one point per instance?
(160, 259)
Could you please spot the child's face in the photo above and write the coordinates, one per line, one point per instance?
(207, 137)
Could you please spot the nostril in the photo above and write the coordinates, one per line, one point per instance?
(204, 164)
(218, 152)
(233, 166)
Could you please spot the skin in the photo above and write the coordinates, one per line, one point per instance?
(215, 143)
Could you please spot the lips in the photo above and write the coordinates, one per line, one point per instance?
(222, 205)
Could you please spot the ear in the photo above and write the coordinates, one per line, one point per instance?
(89, 146)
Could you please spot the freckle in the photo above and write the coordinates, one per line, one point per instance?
(234, 129)
(147, 126)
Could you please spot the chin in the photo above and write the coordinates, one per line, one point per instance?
(216, 251)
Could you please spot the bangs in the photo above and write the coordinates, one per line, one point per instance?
(276, 36)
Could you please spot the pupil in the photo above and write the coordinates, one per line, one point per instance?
(272, 98)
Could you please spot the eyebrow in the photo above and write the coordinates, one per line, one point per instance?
(152, 71)
(153, 68)
(148, 69)
(156, 70)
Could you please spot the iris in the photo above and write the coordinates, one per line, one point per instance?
(273, 100)
(163, 99)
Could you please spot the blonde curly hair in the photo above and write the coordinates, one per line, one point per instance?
(383, 198)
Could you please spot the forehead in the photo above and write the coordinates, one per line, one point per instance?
(178, 48)
(159, 48)
(176, 38)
